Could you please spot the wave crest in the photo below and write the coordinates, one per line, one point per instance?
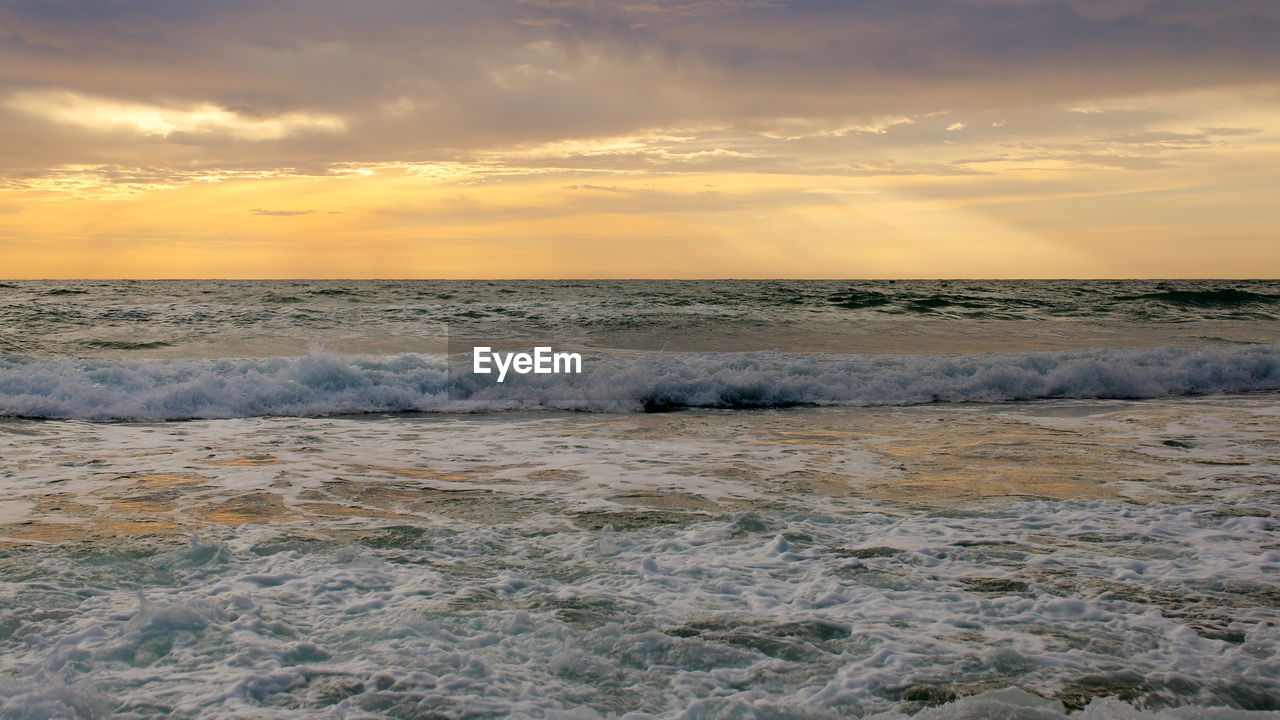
(328, 384)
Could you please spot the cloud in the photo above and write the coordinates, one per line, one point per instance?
(597, 188)
(1176, 12)
(105, 115)
(489, 90)
(437, 78)
(791, 128)
(280, 213)
(1228, 131)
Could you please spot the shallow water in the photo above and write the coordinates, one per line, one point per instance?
(769, 499)
(789, 563)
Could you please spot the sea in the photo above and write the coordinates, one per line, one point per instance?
(759, 499)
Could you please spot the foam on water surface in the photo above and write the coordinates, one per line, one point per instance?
(1081, 558)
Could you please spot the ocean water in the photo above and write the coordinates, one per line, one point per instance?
(760, 499)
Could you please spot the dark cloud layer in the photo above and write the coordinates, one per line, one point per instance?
(424, 81)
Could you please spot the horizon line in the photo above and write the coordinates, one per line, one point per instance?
(635, 279)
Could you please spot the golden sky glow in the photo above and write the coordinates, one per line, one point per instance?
(705, 139)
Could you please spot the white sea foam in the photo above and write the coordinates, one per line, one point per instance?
(804, 563)
(722, 618)
(326, 384)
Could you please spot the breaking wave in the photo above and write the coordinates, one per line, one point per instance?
(322, 383)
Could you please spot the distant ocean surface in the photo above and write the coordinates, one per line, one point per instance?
(761, 499)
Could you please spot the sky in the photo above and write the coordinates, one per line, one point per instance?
(639, 138)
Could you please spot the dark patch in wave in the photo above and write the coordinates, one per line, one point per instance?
(858, 299)
(126, 345)
(1225, 297)
(337, 292)
(927, 303)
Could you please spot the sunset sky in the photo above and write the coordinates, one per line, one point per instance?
(640, 138)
